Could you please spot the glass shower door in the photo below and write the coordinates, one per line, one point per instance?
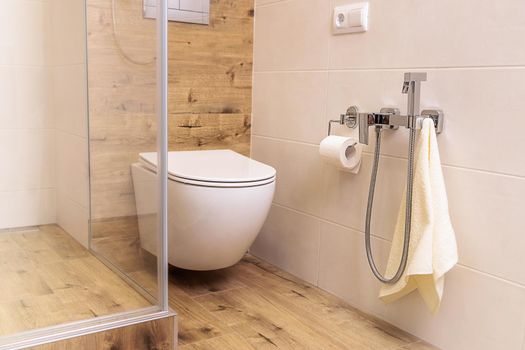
(71, 257)
(126, 199)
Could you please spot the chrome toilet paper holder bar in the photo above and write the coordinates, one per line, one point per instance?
(349, 119)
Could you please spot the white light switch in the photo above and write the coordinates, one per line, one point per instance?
(352, 18)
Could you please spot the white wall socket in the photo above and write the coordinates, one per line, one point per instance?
(351, 18)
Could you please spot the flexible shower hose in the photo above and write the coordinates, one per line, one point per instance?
(117, 41)
(408, 212)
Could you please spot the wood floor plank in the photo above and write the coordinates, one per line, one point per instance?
(195, 322)
(48, 279)
(230, 341)
(263, 322)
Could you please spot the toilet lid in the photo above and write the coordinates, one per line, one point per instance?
(215, 166)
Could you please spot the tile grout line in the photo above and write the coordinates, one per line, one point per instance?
(383, 69)
(31, 190)
(83, 206)
(272, 3)
(325, 113)
(318, 265)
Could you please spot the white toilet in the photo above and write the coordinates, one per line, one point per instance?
(218, 202)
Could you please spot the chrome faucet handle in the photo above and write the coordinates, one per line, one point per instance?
(393, 113)
(387, 118)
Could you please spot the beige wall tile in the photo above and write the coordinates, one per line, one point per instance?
(23, 32)
(70, 102)
(72, 217)
(344, 195)
(25, 98)
(72, 167)
(290, 239)
(28, 157)
(343, 268)
(298, 172)
(290, 105)
(7, 96)
(486, 210)
(27, 208)
(292, 35)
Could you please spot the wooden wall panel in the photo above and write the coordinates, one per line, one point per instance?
(210, 83)
(158, 334)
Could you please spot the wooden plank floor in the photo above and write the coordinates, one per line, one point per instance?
(48, 278)
(254, 305)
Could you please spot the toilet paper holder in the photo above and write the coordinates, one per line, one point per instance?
(349, 119)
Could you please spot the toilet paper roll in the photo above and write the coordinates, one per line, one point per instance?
(342, 152)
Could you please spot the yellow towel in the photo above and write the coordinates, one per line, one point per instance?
(433, 249)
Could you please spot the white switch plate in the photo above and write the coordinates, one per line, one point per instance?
(188, 11)
(351, 18)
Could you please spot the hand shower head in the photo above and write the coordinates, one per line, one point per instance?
(412, 87)
(413, 77)
(406, 86)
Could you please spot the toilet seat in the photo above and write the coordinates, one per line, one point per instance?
(214, 168)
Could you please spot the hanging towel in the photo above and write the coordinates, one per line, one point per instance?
(433, 249)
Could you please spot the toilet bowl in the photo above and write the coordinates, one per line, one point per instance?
(217, 203)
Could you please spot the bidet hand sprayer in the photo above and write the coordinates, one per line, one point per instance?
(411, 87)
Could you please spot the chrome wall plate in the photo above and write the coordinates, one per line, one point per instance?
(350, 118)
(437, 116)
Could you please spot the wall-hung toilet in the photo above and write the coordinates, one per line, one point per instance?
(218, 202)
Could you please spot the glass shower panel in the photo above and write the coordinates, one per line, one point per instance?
(78, 250)
(122, 78)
